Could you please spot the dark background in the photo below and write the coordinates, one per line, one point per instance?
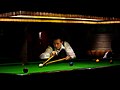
(19, 41)
(83, 7)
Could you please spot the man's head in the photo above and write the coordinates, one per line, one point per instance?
(57, 43)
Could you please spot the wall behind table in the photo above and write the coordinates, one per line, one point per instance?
(12, 42)
(20, 42)
(104, 37)
(82, 37)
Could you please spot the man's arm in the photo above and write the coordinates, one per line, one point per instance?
(47, 53)
(69, 51)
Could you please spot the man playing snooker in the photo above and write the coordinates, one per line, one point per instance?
(59, 50)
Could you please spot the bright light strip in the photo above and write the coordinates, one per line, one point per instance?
(56, 21)
(48, 17)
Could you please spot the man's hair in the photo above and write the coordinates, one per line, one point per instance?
(55, 37)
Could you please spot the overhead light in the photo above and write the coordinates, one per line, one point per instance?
(48, 17)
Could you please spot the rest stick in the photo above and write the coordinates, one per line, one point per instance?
(55, 61)
(48, 60)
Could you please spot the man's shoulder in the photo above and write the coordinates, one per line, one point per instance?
(50, 47)
(66, 43)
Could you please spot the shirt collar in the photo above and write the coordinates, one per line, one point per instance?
(62, 47)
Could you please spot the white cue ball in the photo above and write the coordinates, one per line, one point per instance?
(40, 65)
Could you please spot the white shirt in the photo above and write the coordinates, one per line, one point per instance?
(66, 46)
(105, 55)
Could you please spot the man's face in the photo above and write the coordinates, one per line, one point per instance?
(57, 43)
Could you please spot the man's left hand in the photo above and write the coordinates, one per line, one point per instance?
(67, 58)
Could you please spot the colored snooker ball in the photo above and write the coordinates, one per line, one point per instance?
(25, 70)
(97, 60)
(71, 63)
(111, 61)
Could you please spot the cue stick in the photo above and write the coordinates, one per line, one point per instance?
(55, 61)
(48, 60)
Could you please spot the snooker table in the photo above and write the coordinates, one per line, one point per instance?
(80, 70)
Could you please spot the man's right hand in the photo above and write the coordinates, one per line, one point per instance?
(53, 53)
